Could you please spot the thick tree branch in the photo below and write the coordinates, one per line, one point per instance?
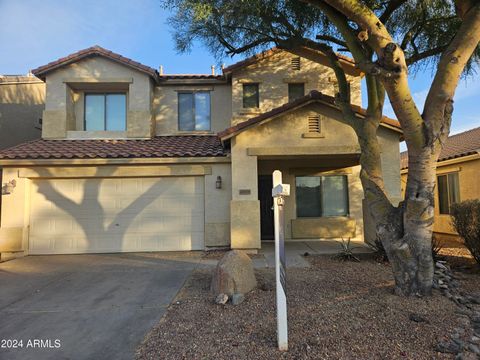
(437, 110)
(391, 62)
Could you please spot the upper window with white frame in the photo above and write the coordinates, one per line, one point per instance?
(105, 112)
(194, 112)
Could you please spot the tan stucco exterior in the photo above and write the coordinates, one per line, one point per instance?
(67, 86)
(468, 169)
(22, 100)
(165, 107)
(279, 144)
(231, 213)
(274, 73)
(15, 219)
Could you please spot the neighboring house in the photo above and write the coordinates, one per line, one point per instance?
(22, 101)
(134, 160)
(458, 170)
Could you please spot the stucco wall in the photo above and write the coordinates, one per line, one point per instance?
(469, 187)
(280, 144)
(273, 75)
(165, 107)
(65, 93)
(21, 107)
(15, 207)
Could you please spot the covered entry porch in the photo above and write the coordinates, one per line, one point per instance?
(325, 199)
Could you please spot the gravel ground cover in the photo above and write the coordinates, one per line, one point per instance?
(337, 310)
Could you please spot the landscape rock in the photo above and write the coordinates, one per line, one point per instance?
(474, 348)
(234, 274)
(418, 318)
(221, 299)
(237, 299)
(448, 347)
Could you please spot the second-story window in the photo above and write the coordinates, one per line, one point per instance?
(295, 91)
(251, 97)
(194, 111)
(105, 112)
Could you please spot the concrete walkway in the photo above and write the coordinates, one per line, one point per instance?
(295, 250)
(97, 306)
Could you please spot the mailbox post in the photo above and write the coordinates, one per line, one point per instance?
(279, 192)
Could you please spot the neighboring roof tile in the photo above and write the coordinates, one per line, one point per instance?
(158, 147)
(15, 79)
(458, 145)
(191, 76)
(313, 96)
(93, 51)
(266, 54)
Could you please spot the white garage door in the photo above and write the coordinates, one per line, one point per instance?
(116, 215)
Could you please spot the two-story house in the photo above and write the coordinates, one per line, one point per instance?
(135, 160)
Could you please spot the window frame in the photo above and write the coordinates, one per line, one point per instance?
(85, 94)
(321, 207)
(447, 183)
(257, 85)
(288, 90)
(193, 92)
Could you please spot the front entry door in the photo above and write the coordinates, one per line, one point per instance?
(265, 185)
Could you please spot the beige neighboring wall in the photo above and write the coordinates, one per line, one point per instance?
(165, 106)
(22, 101)
(468, 169)
(273, 75)
(66, 87)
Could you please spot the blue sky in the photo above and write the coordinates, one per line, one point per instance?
(35, 32)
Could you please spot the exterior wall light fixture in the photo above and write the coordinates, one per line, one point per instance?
(8, 187)
(218, 183)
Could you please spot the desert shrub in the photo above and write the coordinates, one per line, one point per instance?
(436, 247)
(379, 250)
(466, 221)
(346, 251)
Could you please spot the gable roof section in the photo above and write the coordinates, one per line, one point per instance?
(312, 97)
(458, 145)
(96, 50)
(275, 50)
(158, 147)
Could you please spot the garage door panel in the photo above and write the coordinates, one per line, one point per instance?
(116, 215)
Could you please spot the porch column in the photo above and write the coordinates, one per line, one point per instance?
(245, 206)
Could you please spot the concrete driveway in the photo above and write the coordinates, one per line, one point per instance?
(97, 306)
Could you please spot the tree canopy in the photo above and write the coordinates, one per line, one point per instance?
(423, 28)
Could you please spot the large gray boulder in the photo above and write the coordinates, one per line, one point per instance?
(233, 274)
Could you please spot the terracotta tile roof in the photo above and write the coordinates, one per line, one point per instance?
(158, 147)
(458, 145)
(89, 52)
(15, 79)
(313, 96)
(266, 54)
(190, 76)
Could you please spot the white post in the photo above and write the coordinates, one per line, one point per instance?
(279, 191)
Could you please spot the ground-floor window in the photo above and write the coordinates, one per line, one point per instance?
(318, 196)
(448, 192)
